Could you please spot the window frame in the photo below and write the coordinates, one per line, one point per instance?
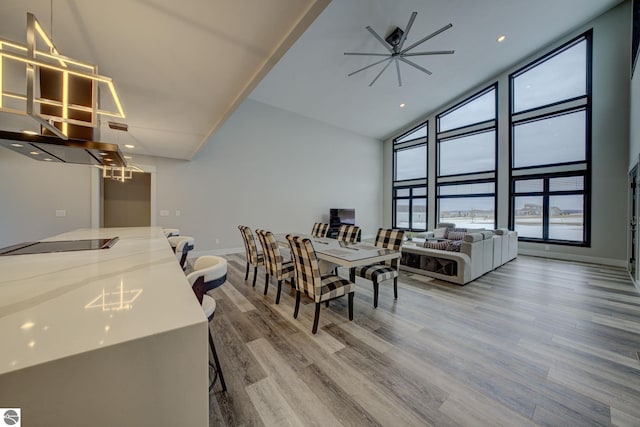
(469, 130)
(546, 193)
(411, 197)
(554, 170)
(412, 183)
(467, 196)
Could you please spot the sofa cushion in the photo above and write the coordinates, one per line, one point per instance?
(431, 244)
(473, 237)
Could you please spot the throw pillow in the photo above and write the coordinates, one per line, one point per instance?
(453, 245)
(456, 235)
(439, 233)
(436, 245)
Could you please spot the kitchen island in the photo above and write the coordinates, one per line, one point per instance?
(105, 337)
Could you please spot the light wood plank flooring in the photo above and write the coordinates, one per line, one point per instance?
(536, 342)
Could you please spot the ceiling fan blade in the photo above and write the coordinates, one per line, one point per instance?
(366, 54)
(407, 29)
(380, 73)
(380, 39)
(413, 64)
(398, 71)
(419, 42)
(368, 66)
(433, 52)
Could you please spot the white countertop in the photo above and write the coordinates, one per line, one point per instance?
(60, 304)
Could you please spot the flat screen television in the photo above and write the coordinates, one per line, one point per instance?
(342, 216)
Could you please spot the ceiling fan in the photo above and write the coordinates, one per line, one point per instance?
(394, 44)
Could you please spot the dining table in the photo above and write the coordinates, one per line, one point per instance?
(333, 252)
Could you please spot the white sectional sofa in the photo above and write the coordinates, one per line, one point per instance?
(481, 251)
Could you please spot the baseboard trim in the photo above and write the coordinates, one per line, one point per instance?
(573, 257)
(227, 251)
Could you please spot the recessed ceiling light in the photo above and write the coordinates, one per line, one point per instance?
(108, 159)
(34, 153)
(104, 154)
(501, 38)
(29, 132)
(46, 159)
(27, 325)
(129, 146)
(128, 157)
(402, 105)
(16, 145)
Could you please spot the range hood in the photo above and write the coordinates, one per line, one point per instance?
(53, 149)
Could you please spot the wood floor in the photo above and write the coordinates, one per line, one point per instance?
(536, 342)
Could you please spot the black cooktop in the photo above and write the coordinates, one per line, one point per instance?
(58, 246)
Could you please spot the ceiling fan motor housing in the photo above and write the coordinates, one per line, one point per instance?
(394, 38)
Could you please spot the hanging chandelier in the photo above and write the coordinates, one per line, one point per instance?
(57, 108)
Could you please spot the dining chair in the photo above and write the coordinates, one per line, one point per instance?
(209, 273)
(320, 288)
(275, 265)
(386, 270)
(254, 257)
(181, 246)
(320, 229)
(349, 233)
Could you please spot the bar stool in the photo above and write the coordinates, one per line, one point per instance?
(181, 246)
(209, 273)
(170, 232)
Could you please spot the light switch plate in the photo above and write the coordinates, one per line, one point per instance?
(164, 213)
(60, 213)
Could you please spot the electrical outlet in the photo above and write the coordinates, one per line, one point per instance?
(178, 212)
(217, 241)
(547, 247)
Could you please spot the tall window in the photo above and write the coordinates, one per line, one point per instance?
(550, 145)
(410, 179)
(466, 161)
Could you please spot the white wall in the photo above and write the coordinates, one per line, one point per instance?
(610, 136)
(32, 191)
(265, 168)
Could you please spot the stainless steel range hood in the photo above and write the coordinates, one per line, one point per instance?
(53, 149)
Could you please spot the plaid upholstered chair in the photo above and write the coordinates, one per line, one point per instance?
(254, 257)
(389, 239)
(274, 262)
(181, 246)
(349, 233)
(308, 279)
(320, 229)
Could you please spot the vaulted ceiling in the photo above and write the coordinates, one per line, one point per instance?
(182, 68)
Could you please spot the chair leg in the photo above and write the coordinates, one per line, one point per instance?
(218, 369)
(375, 294)
(395, 288)
(255, 273)
(246, 273)
(326, 304)
(351, 305)
(352, 275)
(293, 283)
(266, 283)
(279, 290)
(295, 311)
(316, 318)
